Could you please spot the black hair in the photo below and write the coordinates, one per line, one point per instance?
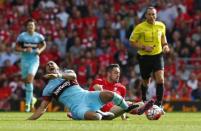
(111, 66)
(30, 20)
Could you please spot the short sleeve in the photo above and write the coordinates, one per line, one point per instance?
(46, 92)
(19, 38)
(135, 34)
(163, 29)
(123, 92)
(42, 38)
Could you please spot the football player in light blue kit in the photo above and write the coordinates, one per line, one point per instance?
(83, 104)
(30, 44)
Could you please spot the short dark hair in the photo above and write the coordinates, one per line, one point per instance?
(30, 20)
(111, 66)
(149, 8)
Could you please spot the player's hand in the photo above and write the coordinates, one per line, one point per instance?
(166, 49)
(98, 87)
(51, 76)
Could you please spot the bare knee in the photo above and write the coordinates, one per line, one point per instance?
(159, 76)
(106, 96)
(29, 79)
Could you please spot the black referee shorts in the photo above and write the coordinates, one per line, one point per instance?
(149, 64)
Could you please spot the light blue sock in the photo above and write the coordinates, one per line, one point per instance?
(119, 101)
(29, 92)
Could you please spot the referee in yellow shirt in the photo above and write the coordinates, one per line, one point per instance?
(150, 40)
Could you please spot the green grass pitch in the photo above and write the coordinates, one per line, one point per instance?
(58, 121)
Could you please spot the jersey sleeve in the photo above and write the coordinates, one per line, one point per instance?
(46, 95)
(46, 92)
(135, 34)
(123, 91)
(163, 29)
(41, 37)
(19, 38)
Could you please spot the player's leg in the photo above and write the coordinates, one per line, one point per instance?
(85, 105)
(139, 110)
(159, 77)
(29, 91)
(108, 96)
(145, 65)
(144, 88)
(92, 116)
(98, 115)
(82, 112)
(118, 111)
(92, 103)
(97, 99)
(30, 99)
(24, 72)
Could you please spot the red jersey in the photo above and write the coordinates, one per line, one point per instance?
(115, 87)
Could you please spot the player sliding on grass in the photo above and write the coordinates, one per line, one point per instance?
(83, 105)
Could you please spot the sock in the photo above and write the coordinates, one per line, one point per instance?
(144, 92)
(159, 94)
(119, 101)
(29, 93)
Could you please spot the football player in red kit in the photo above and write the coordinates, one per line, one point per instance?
(111, 83)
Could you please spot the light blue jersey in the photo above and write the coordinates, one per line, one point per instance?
(29, 60)
(78, 100)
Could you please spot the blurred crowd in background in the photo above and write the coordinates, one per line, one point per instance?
(88, 35)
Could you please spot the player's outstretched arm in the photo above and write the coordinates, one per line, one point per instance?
(40, 111)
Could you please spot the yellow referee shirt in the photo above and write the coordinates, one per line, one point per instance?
(148, 34)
